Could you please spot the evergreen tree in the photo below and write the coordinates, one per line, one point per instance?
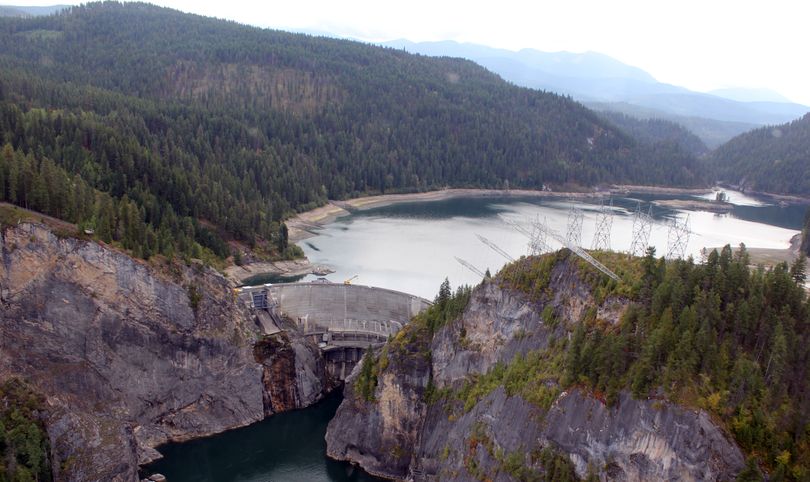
(805, 246)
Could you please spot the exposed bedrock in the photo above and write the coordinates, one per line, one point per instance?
(403, 433)
(131, 355)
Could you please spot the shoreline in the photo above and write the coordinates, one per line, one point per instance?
(301, 225)
(297, 267)
(306, 224)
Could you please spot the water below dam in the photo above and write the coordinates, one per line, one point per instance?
(410, 247)
(288, 447)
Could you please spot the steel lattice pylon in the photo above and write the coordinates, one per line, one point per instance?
(582, 254)
(604, 223)
(642, 227)
(678, 238)
(537, 238)
(541, 230)
(573, 234)
(537, 235)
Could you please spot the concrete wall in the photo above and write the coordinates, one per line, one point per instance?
(336, 306)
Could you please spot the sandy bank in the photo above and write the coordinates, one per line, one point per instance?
(238, 274)
(628, 188)
(696, 205)
(770, 256)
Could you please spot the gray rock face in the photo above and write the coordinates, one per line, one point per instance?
(129, 356)
(641, 439)
(381, 436)
(294, 372)
(635, 440)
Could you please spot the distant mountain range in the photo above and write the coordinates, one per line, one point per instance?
(604, 83)
(22, 11)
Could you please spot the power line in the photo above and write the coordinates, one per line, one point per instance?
(584, 255)
(470, 267)
(495, 247)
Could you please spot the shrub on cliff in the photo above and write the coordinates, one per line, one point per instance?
(23, 441)
(367, 379)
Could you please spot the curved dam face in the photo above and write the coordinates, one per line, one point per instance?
(323, 306)
(342, 319)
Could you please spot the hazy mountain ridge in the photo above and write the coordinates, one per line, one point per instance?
(713, 133)
(29, 11)
(750, 95)
(654, 131)
(592, 77)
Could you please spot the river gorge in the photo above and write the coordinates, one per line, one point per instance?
(411, 247)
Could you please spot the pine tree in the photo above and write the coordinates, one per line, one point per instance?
(798, 269)
(444, 294)
(805, 248)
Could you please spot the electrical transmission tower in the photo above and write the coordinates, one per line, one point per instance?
(545, 230)
(678, 238)
(642, 226)
(537, 236)
(573, 235)
(583, 254)
(604, 223)
(537, 239)
(471, 267)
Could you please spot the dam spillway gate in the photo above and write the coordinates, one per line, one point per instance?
(342, 319)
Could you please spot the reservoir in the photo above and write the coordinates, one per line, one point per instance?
(411, 247)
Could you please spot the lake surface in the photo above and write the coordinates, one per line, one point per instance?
(412, 246)
(283, 448)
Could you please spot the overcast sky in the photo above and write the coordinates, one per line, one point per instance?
(698, 44)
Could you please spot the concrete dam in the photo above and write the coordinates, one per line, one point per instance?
(343, 319)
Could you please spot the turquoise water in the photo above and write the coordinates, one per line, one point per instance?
(283, 448)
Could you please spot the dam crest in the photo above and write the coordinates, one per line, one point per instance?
(342, 319)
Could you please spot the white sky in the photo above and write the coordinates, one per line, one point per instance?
(698, 44)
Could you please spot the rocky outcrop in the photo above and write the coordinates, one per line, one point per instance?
(129, 354)
(381, 435)
(641, 439)
(503, 434)
(294, 373)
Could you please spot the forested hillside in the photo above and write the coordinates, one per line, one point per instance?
(721, 336)
(772, 159)
(200, 122)
(654, 130)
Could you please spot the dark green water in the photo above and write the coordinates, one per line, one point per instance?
(285, 447)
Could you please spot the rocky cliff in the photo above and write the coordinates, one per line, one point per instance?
(131, 355)
(481, 399)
